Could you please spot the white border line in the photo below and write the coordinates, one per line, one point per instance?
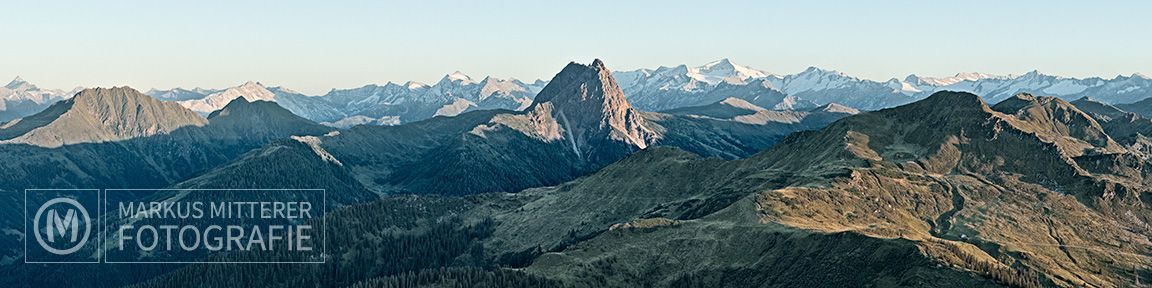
(323, 219)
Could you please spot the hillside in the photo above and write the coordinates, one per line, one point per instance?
(99, 115)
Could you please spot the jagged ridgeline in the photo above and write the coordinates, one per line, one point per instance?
(578, 123)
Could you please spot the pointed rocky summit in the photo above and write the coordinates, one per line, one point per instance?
(589, 105)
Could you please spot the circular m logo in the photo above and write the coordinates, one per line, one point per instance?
(57, 226)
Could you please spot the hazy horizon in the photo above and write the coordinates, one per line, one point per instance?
(313, 48)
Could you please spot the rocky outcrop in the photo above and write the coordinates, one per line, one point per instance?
(591, 108)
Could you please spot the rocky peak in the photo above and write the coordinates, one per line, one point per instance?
(1032, 75)
(260, 120)
(588, 103)
(236, 105)
(912, 78)
(816, 70)
(102, 115)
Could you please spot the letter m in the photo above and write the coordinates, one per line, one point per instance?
(57, 225)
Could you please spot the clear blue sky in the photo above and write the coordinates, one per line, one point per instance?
(313, 46)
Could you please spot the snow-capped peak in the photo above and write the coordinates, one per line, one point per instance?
(1031, 74)
(458, 77)
(415, 85)
(719, 64)
(20, 90)
(813, 70)
(1139, 75)
(16, 83)
(945, 81)
(973, 76)
(684, 78)
(903, 86)
(723, 70)
(250, 85)
(251, 91)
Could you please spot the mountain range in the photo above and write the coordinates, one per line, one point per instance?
(390, 104)
(579, 122)
(719, 175)
(658, 89)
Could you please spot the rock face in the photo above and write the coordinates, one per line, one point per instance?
(100, 115)
(591, 108)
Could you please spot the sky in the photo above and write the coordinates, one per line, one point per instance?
(314, 46)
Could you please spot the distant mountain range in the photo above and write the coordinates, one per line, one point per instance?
(20, 98)
(658, 89)
(579, 122)
(390, 104)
